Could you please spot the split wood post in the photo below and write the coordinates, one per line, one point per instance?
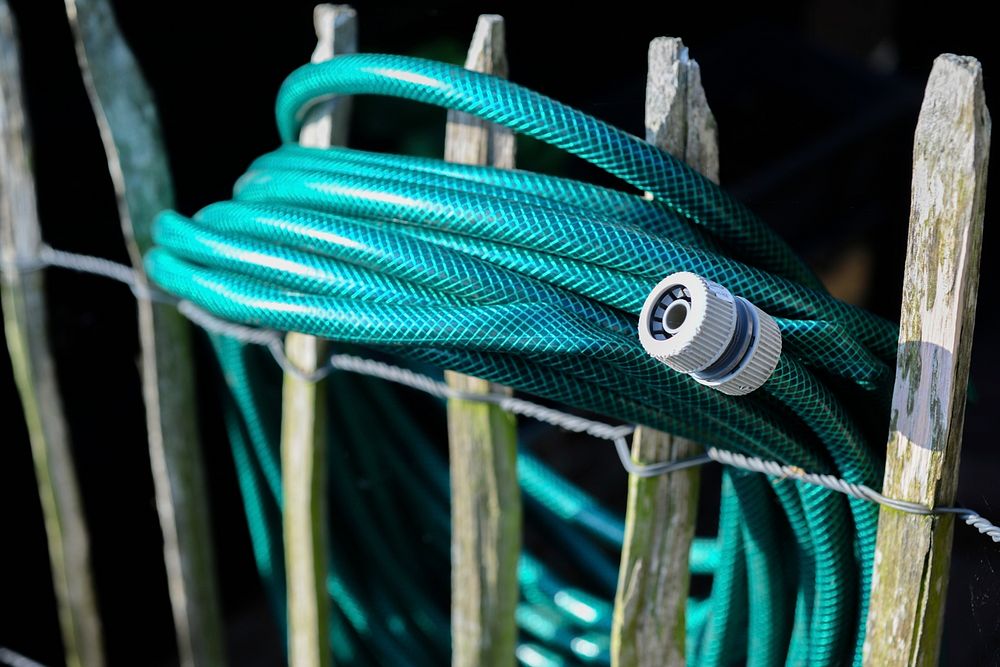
(485, 496)
(648, 627)
(24, 309)
(303, 423)
(130, 130)
(940, 287)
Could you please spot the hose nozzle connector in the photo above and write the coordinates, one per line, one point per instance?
(698, 327)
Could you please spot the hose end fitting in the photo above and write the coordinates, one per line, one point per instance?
(698, 327)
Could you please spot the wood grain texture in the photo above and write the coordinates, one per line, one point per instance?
(129, 127)
(485, 496)
(26, 330)
(303, 424)
(940, 286)
(648, 627)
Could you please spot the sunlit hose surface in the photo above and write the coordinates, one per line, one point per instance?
(535, 282)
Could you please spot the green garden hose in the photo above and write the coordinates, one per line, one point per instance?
(535, 282)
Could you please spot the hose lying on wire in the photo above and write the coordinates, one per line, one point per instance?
(535, 282)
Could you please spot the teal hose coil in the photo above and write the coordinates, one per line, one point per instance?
(536, 282)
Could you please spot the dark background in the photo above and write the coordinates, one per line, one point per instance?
(816, 104)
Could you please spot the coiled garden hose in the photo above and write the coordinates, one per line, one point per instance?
(535, 282)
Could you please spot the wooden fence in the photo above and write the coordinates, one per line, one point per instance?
(938, 314)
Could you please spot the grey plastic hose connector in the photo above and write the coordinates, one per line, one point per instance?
(699, 327)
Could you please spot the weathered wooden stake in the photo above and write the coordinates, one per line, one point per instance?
(24, 309)
(303, 425)
(648, 627)
(485, 496)
(129, 127)
(940, 287)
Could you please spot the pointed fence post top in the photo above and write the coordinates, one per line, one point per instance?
(336, 34)
(678, 118)
(488, 50)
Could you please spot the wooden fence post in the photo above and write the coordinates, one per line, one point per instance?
(485, 496)
(24, 308)
(303, 426)
(940, 286)
(648, 627)
(129, 126)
